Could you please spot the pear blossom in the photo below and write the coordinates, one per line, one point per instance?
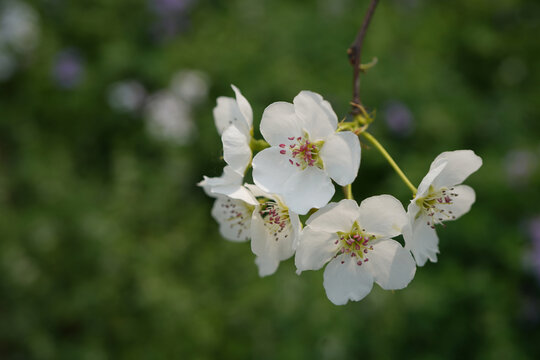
(356, 241)
(274, 231)
(439, 198)
(234, 122)
(263, 217)
(305, 152)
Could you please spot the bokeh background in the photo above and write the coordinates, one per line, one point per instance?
(108, 249)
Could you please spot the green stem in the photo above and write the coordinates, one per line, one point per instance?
(347, 190)
(390, 160)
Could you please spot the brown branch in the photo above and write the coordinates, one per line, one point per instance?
(355, 54)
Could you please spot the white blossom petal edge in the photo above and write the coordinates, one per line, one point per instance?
(231, 111)
(439, 198)
(358, 247)
(229, 184)
(305, 152)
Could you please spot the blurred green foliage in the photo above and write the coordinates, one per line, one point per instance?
(108, 250)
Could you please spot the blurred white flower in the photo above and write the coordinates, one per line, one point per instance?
(190, 85)
(126, 96)
(169, 118)
(357, 243)
(19, 34)
(519, 165)
(19, 30)
(439, 198)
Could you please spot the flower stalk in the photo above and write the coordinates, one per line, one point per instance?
(347, 190)
(387, 156)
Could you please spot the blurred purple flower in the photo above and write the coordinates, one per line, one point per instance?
(399, 118)
(163, 7)
(534, 233)
(68, 69)
(518, 165)
(171, 16)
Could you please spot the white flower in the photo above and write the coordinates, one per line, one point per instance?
(305, 152)
(439, 198)
(255, 214)
(274, 231)
(228, 184)
(357, 243)
(19, 28)
(234, 122)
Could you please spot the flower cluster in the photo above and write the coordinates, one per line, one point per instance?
(304, 151)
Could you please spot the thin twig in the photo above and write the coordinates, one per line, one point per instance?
(355, 54)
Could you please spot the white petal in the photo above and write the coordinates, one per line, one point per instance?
(234, 218)
(271, 170)
(229, 177)
(236, 192)
(310, 188)
(427, 181)
(266, 266)
(229, 184)
(208, 183)
(258, 192)
(460, 164)
(341, 157)
(244, 107)
(391, 265)
(318, 117)
(421, 240)
(382, 215)
(462, 203)
(227, 113)
(413, 211)
(268, 244)
(279, 122)
(297, 228)
(335, 217)
(236, 150)
(347, 281)
(315, 248)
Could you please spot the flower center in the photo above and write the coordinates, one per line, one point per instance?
(435, 205)
(301, 152)
(356, 243)
(275, 216)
